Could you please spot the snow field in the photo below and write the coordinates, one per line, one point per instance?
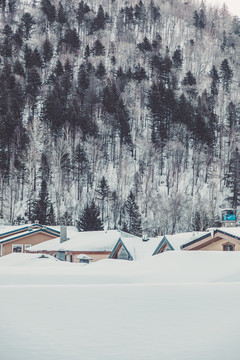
(173, 306)
(170, 322)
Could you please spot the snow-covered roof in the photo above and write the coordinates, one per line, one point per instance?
(82, 241)
(177, 240)
(10, 229)
(25, 233)
(181, 239)
(137, 248)
(227, 209)
(234, 231)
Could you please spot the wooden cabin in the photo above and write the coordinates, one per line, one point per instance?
(20, 238)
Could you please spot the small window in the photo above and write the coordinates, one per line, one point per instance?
(61, 255)
(27, 246)
(85, 261)
(228, 247)
(70, 257)
(17, 248)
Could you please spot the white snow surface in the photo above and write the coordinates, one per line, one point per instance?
(173, 306)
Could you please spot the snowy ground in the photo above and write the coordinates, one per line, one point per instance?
(173, 306)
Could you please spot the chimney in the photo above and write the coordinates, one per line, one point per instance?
(63, 234)
(145, 237)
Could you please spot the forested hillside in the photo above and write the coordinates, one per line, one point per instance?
(129, 106)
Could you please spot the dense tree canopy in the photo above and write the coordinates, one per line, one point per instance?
(132, 105)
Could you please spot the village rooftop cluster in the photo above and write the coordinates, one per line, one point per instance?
(67, 244)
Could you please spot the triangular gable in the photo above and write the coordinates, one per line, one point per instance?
(163, 246)
(210, 239)
(117, 248)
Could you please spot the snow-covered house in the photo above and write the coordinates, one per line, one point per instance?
(216, 239)
(20, 238)
(97, 245)
(134, 248)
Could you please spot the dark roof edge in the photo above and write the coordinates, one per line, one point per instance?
(31, 232)
(162, 242)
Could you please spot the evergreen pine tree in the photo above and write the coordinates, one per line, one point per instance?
(72, 39)
(185, 113)
(122, 121)
(18, 68)
(102, 194)
(49, 10)
(215, 80)
(224, 42)
(177, 58)
(86, 52)
(232, 116)
(80, 163)
(226, 74)
(83, 79)
(82, 9)
(7, 31)
(33, 82)
(18, 38)
(233, 179)
(139, 11)
(189, 79)
(163, 106)
(100, 71)
(27, 25)
(6, 48)
(90, 219)
(98, 48)
(41, 206)
(155, 12)
(28, 54)
(133, 217)
(202, 19)
(98, 22)
(145, 45)
(139, 73)
(129, 14)
(61, 16)
(36, 59)
(58, 71)
(44, 167)
(47, 51)
(196, 19)
(110, 98)
(51, 216)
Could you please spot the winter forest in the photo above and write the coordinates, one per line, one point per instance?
(128, 110)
